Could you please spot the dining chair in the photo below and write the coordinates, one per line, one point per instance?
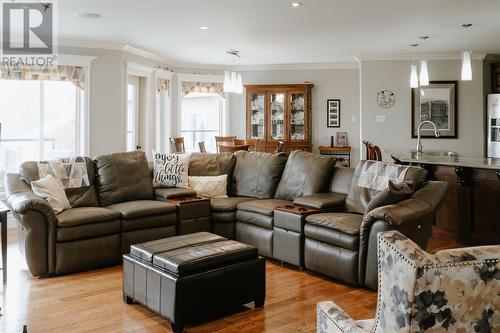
(279, 147)
(177, 145)
(227, 140)
(232, 149)
(201, 144)
(373, 152)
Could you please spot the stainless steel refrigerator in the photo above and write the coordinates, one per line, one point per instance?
(494, 125)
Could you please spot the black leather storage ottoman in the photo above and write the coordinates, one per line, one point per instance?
(190, 277)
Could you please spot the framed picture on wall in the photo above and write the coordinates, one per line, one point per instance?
(333, 113)
(436, 102)
(342, 139)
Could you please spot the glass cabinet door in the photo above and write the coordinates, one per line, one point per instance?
(257, 116)
(277, 117)
(297, 116)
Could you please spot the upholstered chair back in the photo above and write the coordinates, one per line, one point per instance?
(451, 291)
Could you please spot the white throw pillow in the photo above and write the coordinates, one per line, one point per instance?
(51, 190)
(209, 186)
(170, 170)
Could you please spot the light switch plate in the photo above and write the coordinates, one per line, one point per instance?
(380, 119)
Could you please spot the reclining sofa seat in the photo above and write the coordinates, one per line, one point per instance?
(125, 185)
(277, 181)
(116, 209)
(341, 243)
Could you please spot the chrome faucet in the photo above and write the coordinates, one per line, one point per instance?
(419, 144)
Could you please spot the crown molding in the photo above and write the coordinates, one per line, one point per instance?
(410, 57)
(143, 53)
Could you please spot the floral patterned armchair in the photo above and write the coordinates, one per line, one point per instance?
(451, 291)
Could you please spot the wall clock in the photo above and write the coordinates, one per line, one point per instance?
(386, 99)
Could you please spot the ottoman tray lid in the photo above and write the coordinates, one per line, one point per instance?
(204, 257)
(146, 251)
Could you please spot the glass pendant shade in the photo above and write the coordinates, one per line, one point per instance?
(227, 82)
(413, 77)
(466, 66)
(233, 82)
(239, 84)
(424, 73)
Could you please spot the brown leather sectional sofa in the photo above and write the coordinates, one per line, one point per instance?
(121, 207)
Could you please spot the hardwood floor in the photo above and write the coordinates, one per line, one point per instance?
(92, 302)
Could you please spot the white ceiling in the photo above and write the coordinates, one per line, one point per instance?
(272, 32)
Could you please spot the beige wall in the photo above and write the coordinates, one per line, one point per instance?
(395, 133)
(340, 84)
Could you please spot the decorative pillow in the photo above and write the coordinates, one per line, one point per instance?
(394, 193)
(209, 186)
(51, 190)
(170, 170)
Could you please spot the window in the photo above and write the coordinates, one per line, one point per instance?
(202, 118)
(39, 120)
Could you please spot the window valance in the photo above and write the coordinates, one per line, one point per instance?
(73, 74)
(202, 87)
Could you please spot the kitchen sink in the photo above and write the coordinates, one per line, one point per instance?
(438, 153)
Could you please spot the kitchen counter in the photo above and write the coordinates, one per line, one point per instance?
(442, 158)
(469, 213)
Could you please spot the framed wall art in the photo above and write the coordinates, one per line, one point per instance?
(333, 113)
(436, 102)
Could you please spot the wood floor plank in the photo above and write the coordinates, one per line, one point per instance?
(92, 302)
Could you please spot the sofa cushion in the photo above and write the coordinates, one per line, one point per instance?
(305, 174)
(227, 204)
(170, 170)
(394, 193)
(339, 229)
(322, 200)
(142, 208)
(344, 222)
(164, 193)
(263, 207)
(51, 190)
(202, 164)
(257, 174)
(123, 177)
(85, 215)
(261, 220)
(341, 180)
(78, 197)
(91, 230)
(371, 177)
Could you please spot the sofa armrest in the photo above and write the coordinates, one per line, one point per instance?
(465, 254)
(332, 319)
(406, 211)
(321, 200)
(165, 193)
(22, 202)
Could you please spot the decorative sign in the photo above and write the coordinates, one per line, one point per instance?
(386, 99)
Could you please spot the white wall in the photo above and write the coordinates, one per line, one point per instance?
(340, 84)
(395, 133)
(107, 97)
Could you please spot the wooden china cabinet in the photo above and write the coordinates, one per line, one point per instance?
(279, 112)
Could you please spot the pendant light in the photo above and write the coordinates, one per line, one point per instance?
(232, 80)
(466, 73)
(424, 71)
(413, 69)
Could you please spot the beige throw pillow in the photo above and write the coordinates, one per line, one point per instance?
(209, 186)
(51, 190)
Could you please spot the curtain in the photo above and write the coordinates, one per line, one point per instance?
(203, 87)
(162, 85)
(74, 74)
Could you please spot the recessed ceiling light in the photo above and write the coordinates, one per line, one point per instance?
(296, 4)
(88, 15)
(203, 27)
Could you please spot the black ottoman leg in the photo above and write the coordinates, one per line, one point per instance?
(127, 299)
(177, 328)
(259, 302)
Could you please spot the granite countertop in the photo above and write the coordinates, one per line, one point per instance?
(442, 158)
